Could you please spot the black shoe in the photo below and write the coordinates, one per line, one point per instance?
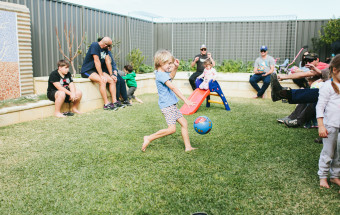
(291, 123)
(283, 119)
(318, 140)
(127, 103)
(113, 106)
(275, 87)
(119, 104)
(68, 114)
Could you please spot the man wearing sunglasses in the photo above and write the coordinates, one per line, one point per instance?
(263, 67)
(199, 60)
(96, 56)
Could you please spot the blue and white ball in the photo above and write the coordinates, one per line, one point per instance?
(202, 125)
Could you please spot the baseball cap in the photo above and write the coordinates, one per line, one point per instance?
(264, 48)
(203, 46)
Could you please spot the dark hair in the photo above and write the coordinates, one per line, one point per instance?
(63, 63)
(335, 63)
(99, 39)
(128, 68)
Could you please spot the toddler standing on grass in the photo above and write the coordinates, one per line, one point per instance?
(328, 115)
(166, 68)
(208, 74)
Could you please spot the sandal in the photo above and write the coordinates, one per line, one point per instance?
(68, 114)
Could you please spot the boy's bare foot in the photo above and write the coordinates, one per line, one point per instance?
(324, 183)
(76, 111)
(146, 143)
(335, 181)
(190, 149)
(59, 115)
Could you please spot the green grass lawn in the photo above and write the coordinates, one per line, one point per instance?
(92, 164)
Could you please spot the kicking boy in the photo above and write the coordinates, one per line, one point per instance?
(166, 68)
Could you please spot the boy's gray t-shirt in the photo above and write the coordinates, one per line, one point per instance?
(264, 64)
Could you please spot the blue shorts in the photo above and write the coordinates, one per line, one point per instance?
(171, 114)
(88, 73)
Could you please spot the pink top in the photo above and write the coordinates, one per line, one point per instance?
(322, 65)
(208, 74)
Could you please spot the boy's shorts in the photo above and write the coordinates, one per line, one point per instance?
(51, 96)
(171, 114)
(88, 73)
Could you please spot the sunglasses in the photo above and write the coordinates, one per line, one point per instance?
(203, 49)
(263, 51)
(309, 60)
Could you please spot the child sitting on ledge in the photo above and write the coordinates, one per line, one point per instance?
(62, 89)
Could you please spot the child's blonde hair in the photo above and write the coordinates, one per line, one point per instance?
(335, 63)
(161, 57)
(207, 62)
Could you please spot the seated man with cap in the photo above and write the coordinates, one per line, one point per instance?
(263, 67)
(199, 60)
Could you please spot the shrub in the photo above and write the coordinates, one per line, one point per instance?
(234, 66)
(135, 59)
(186, 66)
(146, 68)
(331, 32)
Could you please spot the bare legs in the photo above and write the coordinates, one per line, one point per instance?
(161, 133)
(138, 100)
(76, 103)
(185, 134)
(170, 130)
(102, 86)
(60, 99)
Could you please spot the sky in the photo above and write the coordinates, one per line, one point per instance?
(310, 9)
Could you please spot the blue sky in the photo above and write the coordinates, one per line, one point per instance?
(311, 9)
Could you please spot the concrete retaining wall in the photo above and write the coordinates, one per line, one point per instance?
(232, 84)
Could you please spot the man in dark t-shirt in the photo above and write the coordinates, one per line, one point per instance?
(62, 89)
(96, 56)
(120, 82)
(199, 60)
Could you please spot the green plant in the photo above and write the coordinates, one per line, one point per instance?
(330, 32)
(186, 66)
(234, 66)
(146, 68)
(135, 59)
